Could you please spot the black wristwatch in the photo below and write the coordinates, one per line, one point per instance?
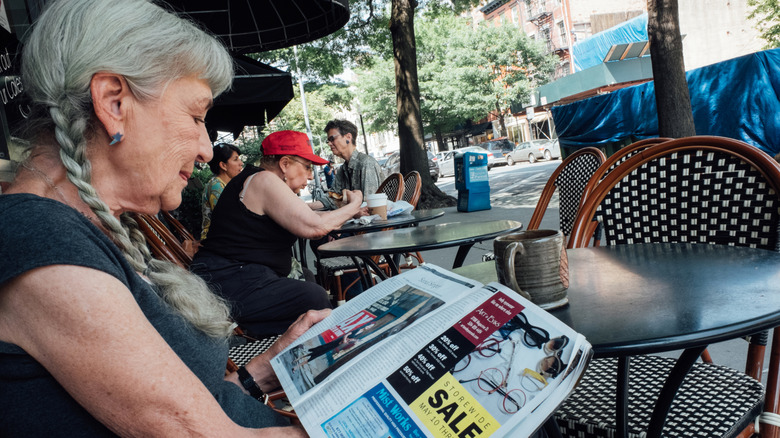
(248, 382)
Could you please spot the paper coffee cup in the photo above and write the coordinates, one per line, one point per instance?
(377, 204)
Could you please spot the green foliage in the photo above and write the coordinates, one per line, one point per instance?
(766, 15)
(190, 212)
(250, 148)
(364, 36)
(463, 73)
(320, 113)
(376, 92)
(336, 95)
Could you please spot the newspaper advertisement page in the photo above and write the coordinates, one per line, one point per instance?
(477, 367)
(374, 317)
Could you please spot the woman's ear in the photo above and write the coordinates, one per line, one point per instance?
(110, 94)
(223, 166)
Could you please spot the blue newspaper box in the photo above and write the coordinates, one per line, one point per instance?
(471, 180)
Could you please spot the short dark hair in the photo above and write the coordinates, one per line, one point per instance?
(344, 126)
(222, 153)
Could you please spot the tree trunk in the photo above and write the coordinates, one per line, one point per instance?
(440, 141)
(673, 101)
(501, 125)
(410, 129)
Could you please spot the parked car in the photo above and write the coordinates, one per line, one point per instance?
(533, 150)
(447, 163)
(500, 147)
(393, 165)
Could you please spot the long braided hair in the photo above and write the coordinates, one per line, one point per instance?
(150, 47)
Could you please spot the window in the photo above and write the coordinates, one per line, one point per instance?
(562, 33)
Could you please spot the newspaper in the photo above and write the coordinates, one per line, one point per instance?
(430, 353)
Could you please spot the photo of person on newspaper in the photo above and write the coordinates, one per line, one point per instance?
(512, 366)
(314, 360)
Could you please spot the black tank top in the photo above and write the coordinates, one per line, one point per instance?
(241, 235)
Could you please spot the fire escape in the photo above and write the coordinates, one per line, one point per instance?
(542, 18)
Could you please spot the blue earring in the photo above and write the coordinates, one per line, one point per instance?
(116, 139)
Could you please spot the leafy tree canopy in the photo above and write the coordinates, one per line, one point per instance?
(464, 72)
(766, 15)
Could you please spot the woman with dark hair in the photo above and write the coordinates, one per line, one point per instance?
(97, 338)
(224, 166)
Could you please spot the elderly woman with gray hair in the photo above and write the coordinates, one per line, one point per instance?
(96, 337)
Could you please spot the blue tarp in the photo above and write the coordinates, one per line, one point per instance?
(591, 51)
(738, 98)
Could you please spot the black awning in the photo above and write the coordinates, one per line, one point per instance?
(479, 128)
(259, 91)
(252, 26)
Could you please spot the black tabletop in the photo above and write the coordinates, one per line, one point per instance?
(647, 298)
(414, 217)
(423, 237)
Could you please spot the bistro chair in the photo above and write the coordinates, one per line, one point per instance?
(618, 158)
(703, 190)
(188, 241)
(393, 187)
(412, 188)
(570, 179)
(330, 270)
(162, 243)
(412, 191)
(610, 164)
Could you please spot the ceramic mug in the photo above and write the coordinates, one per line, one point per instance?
(534, 264)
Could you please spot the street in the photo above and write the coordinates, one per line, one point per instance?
(510, 186)
(513, 186)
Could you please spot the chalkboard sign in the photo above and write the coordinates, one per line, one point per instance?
(15, 19)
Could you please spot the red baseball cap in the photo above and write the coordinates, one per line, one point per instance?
(291, 143)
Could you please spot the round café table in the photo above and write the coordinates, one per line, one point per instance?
(401, 220)
(420, 238)
(648, 298)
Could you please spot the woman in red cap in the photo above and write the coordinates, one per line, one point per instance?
(247, 254)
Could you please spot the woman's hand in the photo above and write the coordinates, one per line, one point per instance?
(299, 327)
(260, 366)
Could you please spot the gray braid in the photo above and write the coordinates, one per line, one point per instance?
(73, 155)
(186, 293)
(64, 50)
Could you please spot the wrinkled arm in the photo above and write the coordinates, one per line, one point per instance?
(79, 323)
(266, 194)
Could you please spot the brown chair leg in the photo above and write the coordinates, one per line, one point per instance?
(772, 399)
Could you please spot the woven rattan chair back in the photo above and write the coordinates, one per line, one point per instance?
(570, 179)
(696, 189)
(412, 186)
(618, 158)
(393, 187)
(163, 244)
